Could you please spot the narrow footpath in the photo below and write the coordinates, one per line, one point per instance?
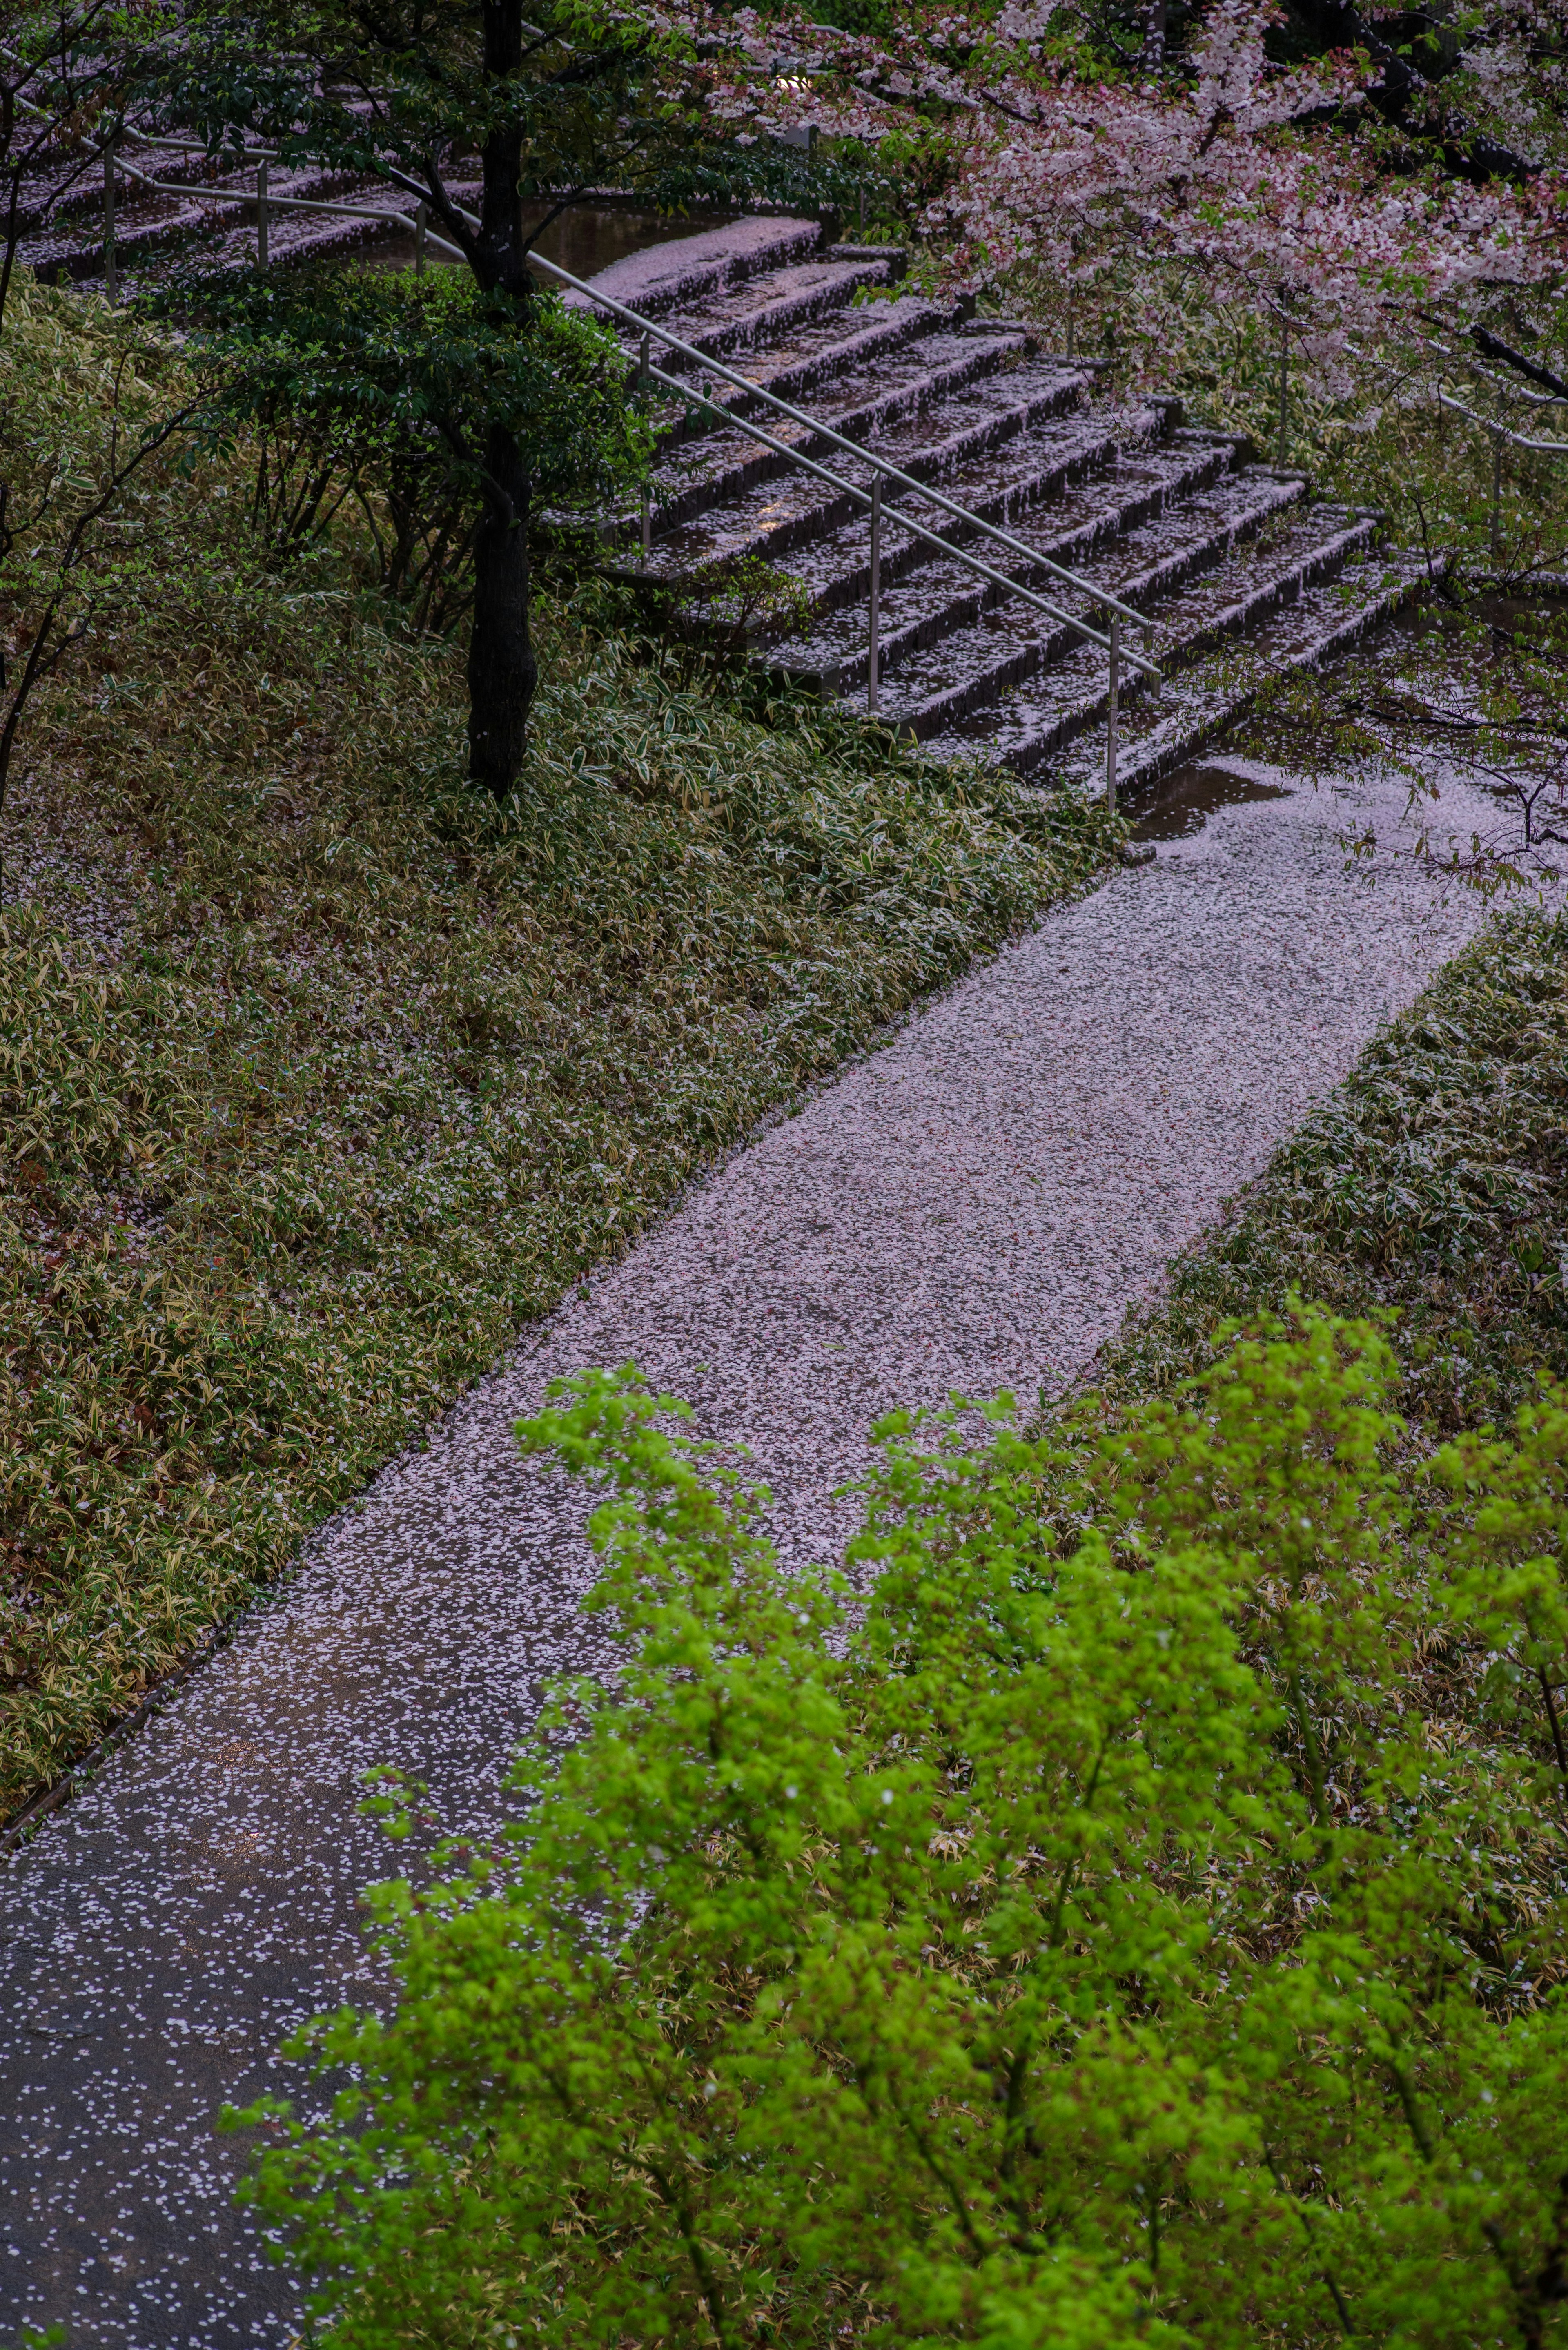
(973, 1206)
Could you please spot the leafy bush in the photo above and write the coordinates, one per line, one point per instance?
(1147, 1928)
(382, 387)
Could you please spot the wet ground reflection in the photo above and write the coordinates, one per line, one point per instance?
(584, 240)
(1180, 804)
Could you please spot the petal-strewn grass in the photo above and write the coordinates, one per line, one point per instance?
(1432, 1188)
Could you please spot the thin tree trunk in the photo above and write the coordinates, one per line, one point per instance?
(501, 669)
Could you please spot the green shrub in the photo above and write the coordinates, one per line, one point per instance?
(379, 387)
(1145, 1927)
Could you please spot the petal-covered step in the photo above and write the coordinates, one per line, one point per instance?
(1196, 527)
(908, 405)
(1029, 698)
(763, 310)
(817, 368)
(804, 524)
(693, 270)
(1106, 492)
(918, 423)
(1203, 699)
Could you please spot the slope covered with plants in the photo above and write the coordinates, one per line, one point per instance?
(321, 1072)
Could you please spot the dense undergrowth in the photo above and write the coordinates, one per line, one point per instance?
(1147, 1929)
(317, 1074)
(1375, 435)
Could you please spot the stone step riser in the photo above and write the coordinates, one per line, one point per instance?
(1249, 613)
(936, 466)
(771, 320)
(806, 381)
(968, 606)
(857, 416)
(1073, 548)
(836, 540)
(1139, 768)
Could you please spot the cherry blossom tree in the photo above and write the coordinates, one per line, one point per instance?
(1300, 186)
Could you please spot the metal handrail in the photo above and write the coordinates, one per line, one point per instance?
(1499, 431)
(853, 448)
(1499, 434)
(1514, 390)
(888, 513)
(882, 469)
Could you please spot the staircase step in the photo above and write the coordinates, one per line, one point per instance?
(894, 378)
(1139, 560)
(814, 366)
(905, 415)
(1059, 461)
(690, 270)
(146, 221)
(760, 310)
(1203, 701)
(1057, 683)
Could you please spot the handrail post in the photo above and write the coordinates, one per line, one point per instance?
(642, 381)
(421, 216)
(110, 268)
(874, 662)
(263, 222)
(1111, 714)
(1284, 382)
(1496, 493)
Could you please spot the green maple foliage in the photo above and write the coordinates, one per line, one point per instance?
(1145, 1927)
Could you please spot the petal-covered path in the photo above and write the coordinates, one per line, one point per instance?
(974, 1205)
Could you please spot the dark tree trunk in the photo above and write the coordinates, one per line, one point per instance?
(501, 669)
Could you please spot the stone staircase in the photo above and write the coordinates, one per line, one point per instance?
(1241, 575)
(213, 212)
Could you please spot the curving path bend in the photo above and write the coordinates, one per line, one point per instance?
(974, 1205)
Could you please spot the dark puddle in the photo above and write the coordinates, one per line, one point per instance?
(584, 240)
(1182, 802)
